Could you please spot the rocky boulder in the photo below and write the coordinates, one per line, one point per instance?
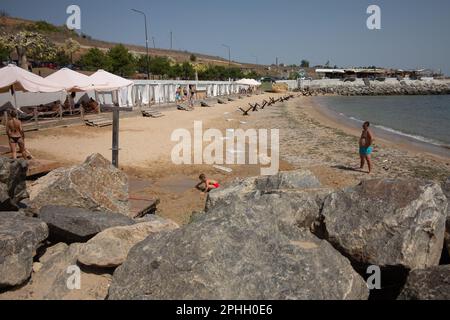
(13, 174)
(446, 189)
(240, 189)
(388, 222)
(95, 185)
(72, 225)
(109, 249)
(55, 278)
(20, 237)
(242, 250)
(428, 284)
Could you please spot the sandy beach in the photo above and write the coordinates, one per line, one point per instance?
(309, 139)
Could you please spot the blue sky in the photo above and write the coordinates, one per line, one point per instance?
(415, 33)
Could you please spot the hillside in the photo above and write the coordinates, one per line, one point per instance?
(58, 34)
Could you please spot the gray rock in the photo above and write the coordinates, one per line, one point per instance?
(109, 249)
(388, 222)
(240, 189)
(95, 185)
(20, 237)
(446, 189)
(71, 225)
(57, 270)
(13, 174)
(243, 250)
(428, 284)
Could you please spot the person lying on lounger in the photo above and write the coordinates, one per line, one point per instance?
(207, 185)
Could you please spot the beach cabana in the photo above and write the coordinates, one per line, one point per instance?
(248, 82)
(105, 82)
(72, 81)
(13, 79)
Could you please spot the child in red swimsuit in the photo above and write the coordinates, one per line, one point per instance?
(208, 185)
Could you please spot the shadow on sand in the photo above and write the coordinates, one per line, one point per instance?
(347, 168)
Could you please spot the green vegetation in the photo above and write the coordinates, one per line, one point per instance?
(4, 53)
(43, 27)
(121, 61)
(304, 64)
(93, 60)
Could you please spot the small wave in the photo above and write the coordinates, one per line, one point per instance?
(413, 136)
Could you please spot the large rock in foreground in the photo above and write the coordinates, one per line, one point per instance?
(388, 222)
(13, 174)
(72, 225)
(428, 284)
(58, 267)
(110, 248)
(241, 189)
(446, 189)
(95, 185)
(20, 236)
(242, 250)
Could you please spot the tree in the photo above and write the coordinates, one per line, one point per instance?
(29, 44)
(4, 53)
(121, 61)
(62, 59)
(94, 60)
(160, 66)
(193, 58)
(70, 47)
(304, 64)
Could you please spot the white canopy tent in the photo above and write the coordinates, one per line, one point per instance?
(72, 81)
(248, 82)
(13, 78)
(105, 82)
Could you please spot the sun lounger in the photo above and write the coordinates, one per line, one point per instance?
(220, 101)
(204, 104)
(99, 121)
(151, 114)
(184, 108)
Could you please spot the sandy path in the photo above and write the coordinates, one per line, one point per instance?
(142, 140)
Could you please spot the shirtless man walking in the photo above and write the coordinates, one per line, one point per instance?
(16, 136)
(365, 146)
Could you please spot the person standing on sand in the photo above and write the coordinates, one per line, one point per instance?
(16, 136)
(365, 146)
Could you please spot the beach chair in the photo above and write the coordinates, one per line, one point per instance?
(148, 113)
(204, 104)
(220, 101)
(184, 108)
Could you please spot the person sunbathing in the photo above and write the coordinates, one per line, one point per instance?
(206, 185)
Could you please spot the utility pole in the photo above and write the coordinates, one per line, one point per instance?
(146, 41)
(171, 40)
(276, 61)
(229, 53)
(256, 58)
(154, 46)
(115, 131)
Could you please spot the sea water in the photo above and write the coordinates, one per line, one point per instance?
(422, 118)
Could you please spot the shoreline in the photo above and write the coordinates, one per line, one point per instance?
(410, 144)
